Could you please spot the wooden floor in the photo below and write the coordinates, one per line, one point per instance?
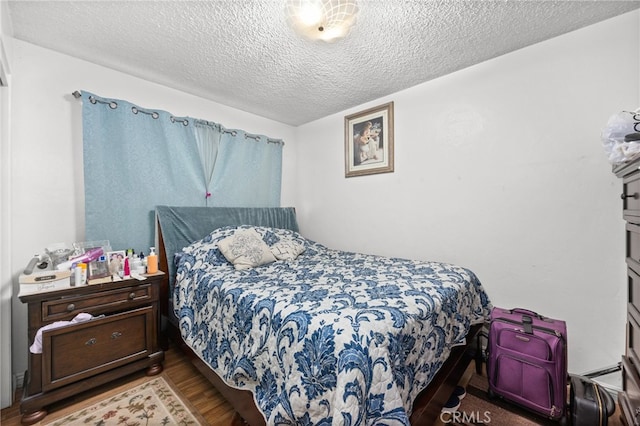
(192, 385)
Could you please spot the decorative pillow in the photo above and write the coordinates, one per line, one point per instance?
(286, 249)
(245, 249)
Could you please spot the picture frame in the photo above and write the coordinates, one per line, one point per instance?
(368, 141)
(98, 269)
(115, 261)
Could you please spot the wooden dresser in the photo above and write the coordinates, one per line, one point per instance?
(629, 398)
(122, 338)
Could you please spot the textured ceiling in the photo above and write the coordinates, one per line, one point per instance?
(242, 53)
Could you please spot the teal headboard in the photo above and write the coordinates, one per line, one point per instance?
(181, 226)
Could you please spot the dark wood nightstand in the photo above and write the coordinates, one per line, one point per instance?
(629, 398)
(121, 339)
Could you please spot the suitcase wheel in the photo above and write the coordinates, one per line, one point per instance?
(491, 394)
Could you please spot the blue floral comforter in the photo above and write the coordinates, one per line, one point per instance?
(329, 338)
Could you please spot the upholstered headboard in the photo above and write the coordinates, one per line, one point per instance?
(181, 226)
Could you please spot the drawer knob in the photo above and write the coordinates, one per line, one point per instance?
(634, 196)
(132, 295)
(91, 342)
(71, 307)
(116, 334)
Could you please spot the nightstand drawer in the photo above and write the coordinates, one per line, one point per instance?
(633, 246)
(633, 291)
(631, 197)
(107, 301)
(633, 338)
(74, 352)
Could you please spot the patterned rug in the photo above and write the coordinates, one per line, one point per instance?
(153, 402)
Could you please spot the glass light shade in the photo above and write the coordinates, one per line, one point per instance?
(325, 20)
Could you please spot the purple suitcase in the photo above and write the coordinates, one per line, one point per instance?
(527, 361)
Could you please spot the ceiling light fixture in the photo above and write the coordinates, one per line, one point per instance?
(326, 20)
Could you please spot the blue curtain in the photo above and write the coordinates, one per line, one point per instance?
(136, 159)
(248, 171)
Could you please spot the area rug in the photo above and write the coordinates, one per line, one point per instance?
(153, 402)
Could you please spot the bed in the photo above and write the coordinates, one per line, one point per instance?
(312, 335)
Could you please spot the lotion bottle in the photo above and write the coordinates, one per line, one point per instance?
(152, 261)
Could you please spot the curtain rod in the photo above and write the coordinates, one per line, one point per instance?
(78, 95)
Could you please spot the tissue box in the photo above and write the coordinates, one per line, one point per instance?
(41, 281)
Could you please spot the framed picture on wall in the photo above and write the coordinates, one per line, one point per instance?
(368, 141)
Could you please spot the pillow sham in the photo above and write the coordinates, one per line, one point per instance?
(245, 249)
(286, 249)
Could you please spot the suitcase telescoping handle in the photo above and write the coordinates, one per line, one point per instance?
(527, 320)
(526, 312)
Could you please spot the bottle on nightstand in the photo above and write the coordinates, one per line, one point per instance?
(152, 262)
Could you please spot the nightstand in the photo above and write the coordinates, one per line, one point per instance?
(121, 339)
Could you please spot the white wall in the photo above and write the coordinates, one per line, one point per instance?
(500, 168)
(47, 201)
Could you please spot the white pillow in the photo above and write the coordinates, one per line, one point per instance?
(245, 249)
(287, 249)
